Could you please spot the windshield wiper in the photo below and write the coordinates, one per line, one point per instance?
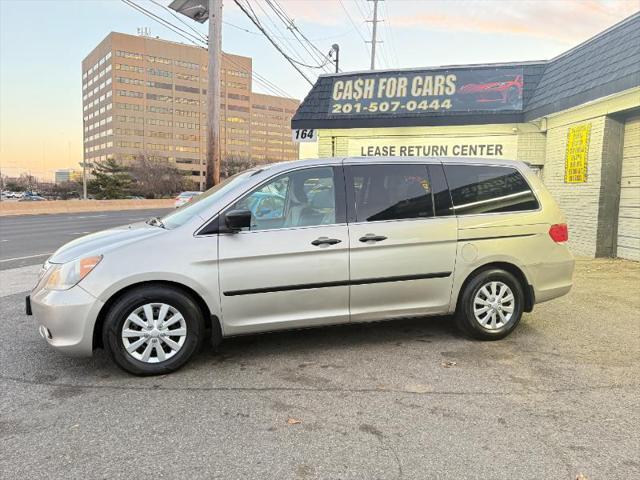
(156, 222)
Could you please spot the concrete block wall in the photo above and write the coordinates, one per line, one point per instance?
(579, 201)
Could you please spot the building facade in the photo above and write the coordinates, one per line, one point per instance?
(575, 119)
(146, 96)
(67, 175)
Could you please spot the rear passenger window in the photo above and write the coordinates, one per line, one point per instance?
(391, 192)
(484, 189)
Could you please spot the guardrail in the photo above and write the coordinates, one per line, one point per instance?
(73, 206)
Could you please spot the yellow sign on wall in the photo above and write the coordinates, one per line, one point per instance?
(575, 167)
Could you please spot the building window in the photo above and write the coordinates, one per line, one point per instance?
(130, 93)
(183, 88)
(186, 76)
(166, 86)
(159, 98)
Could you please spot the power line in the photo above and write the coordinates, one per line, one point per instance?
(292, 48)
(392, 37)
(354, 26)
(175, 29)
(319, 55)
(272, 87)
(164, 7)
(238, 27)
(263, 81)
(273, 42)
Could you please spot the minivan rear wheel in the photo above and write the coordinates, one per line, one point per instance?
(491, 305)
(153, 330)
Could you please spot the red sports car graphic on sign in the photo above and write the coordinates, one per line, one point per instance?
(506, 90)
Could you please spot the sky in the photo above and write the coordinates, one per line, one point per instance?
(42, 44)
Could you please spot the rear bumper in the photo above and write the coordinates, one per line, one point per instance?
(553, 278)
(66, 318)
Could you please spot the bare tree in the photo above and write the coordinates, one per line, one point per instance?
(156, 177)
(233, 164)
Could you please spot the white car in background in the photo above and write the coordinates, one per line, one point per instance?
(184, 198)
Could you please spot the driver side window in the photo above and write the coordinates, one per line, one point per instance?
(297, 199)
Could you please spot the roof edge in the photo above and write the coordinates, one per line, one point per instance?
(440, 67)
(597, 36)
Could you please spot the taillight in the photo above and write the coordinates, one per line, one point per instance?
(559, 232)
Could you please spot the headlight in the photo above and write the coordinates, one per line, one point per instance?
(66, 275)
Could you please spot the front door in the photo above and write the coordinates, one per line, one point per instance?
(402, 254)
(290, 269)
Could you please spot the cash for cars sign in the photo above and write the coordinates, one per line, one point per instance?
(499, 146)
(427, 92)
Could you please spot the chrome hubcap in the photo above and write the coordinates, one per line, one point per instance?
(154, 332)
(493, 305)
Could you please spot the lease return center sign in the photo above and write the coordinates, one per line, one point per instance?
(424, 92)
(498, 146)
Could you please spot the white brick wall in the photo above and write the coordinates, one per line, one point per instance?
(531, 148)
(579, 201)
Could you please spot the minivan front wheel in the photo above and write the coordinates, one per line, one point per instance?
(152, 330)
(491, 305)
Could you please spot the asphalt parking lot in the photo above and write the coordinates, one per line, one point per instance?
(406, 399)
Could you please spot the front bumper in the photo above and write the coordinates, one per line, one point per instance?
(66, 318)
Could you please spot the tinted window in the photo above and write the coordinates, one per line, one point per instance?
(298, 199)
(391, 192)
(484, 189)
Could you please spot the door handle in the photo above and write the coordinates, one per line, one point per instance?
(325, 241)
(369, 237)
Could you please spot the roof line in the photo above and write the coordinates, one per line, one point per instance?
(619, 24)
(440, 67)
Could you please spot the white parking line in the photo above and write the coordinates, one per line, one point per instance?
(24, 258)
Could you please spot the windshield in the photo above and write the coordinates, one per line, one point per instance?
(201, 204)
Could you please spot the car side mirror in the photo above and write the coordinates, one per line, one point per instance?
(236, 220)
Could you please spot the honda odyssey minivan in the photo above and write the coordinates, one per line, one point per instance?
(311, 243)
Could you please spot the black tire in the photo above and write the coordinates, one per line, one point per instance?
(136, 298)
(465, 317)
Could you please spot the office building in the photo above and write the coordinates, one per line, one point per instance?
(147, 96)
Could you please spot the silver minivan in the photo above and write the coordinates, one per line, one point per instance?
(311, 243)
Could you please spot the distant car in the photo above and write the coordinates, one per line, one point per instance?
(135, 197)
(32, 198)
(184, 198)
(506, 90)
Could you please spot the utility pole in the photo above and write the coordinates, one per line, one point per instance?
(213, 93)
(374, 33)
(336, 48)
(84, 179)
(202, 11)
